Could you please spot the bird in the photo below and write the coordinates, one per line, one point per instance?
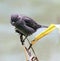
(25, 25)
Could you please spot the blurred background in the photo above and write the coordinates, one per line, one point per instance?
(43, 12)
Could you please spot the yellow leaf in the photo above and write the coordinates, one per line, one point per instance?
(44, 33)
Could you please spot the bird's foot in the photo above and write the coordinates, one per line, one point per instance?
(22, 42)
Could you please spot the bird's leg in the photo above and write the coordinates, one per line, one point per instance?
(21, 38)
(25, 38)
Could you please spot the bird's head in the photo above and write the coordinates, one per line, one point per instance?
(15, 18)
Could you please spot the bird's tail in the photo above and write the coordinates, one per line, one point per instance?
(43, 26)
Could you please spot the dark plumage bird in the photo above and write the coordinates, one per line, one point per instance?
(24, 25)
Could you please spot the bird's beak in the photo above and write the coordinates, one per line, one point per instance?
(13, 23)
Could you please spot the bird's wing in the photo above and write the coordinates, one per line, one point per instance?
(30, 22)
